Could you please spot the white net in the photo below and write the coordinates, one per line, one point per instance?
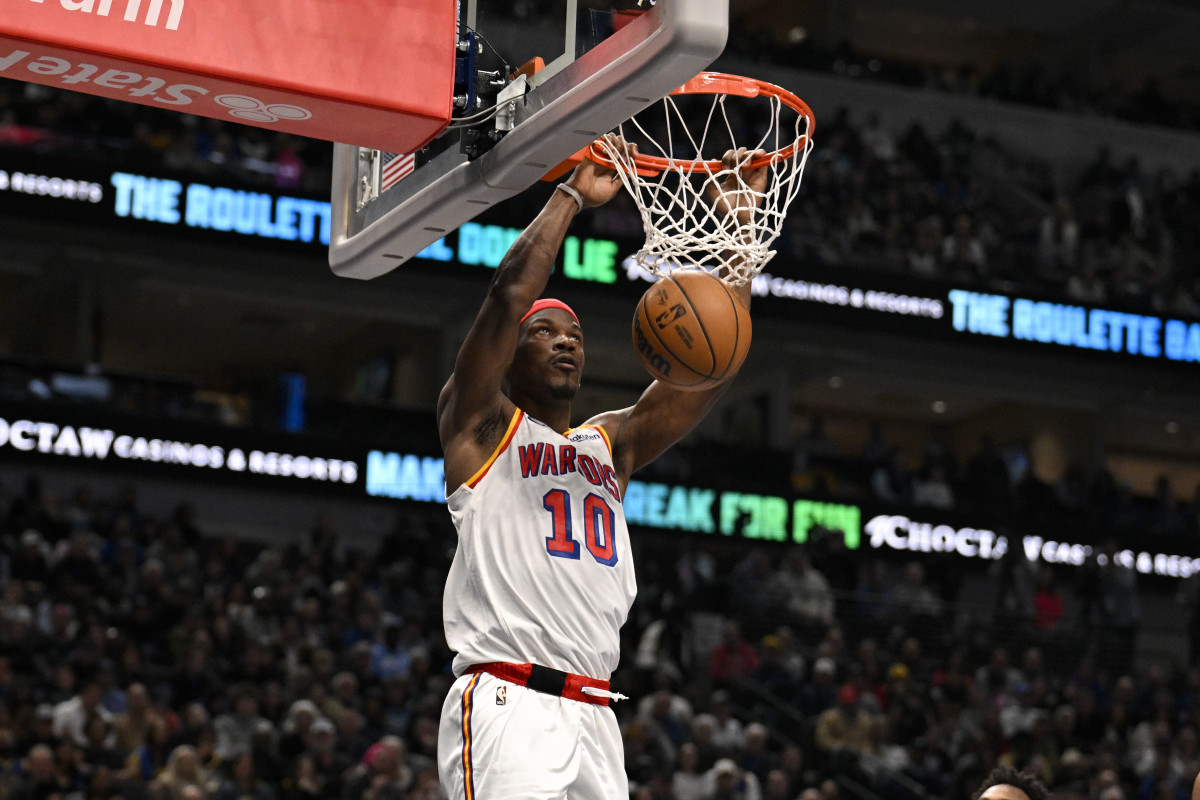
(697, 213)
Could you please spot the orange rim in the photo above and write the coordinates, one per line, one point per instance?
(722, 83)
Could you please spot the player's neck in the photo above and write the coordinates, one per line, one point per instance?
(553, 413)
(558, 418)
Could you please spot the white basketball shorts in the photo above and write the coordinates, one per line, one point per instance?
(502, 741)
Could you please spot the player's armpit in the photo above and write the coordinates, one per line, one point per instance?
(469, 439)
(660, 418)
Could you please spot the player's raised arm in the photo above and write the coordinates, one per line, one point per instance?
(663, 414)
(472, 410)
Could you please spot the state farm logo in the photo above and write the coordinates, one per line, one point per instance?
(251, 109)
(132, 9)
(124, 84)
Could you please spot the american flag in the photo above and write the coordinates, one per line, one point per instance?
(395, 167)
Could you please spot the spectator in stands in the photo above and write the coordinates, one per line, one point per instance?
(727, 781)
(1058, 241)
(1121, 609)
(821, 691)
(914, 599)
(844, 732)
(389, 657)
(241, 781)
(71, 716)
(659, 719)
(781, 666)
(1016, 583)
(776, 787)
(805, 596)
(383, 775)
(1047, 602)
(892, 482)
(687, 781)
(40, 778)
(235, 731)
(728, 732)
(183, 769)
(100, 749)
(296, 728)
(878, 140)
(704, 726)
(130, 726)
(932, 488)
(924, 257)
(30, 561)
(963, 253)
(330, 764)
(873, 600)
(998, 675)
(1004, 783)
(754, 756)
(733, 657)
(304, 782)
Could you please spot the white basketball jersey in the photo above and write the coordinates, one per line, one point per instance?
(543, 572)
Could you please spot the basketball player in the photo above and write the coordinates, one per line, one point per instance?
(1005, 783)
(542, 579)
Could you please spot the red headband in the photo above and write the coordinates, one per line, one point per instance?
(548, 302)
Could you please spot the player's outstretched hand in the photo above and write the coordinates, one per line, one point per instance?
(598, 183)
(738, 186)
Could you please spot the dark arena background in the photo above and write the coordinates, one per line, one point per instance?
(948, 517)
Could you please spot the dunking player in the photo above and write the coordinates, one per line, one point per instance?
(543, 579)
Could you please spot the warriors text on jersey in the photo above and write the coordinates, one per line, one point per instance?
(543, 572)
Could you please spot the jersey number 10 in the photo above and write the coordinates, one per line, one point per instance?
(598, 524)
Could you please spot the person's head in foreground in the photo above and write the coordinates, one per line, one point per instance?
(1005, 783)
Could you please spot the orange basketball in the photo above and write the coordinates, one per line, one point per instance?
(691, 330)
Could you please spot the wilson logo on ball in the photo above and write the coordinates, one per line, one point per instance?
(651, 357)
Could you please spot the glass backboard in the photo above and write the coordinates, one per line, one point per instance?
(515, 120)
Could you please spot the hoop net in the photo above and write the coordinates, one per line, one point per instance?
(676, 177)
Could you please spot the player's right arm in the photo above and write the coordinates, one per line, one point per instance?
(472, 411)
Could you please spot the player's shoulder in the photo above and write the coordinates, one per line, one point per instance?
(610, 422)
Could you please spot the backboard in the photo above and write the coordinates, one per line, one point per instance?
(603, 62)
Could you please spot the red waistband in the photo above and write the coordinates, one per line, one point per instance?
(545, 680)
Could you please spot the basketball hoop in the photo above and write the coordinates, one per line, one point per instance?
(675, 167)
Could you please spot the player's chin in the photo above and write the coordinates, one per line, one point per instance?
(565, 388)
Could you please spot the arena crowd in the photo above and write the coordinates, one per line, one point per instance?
(145, 656)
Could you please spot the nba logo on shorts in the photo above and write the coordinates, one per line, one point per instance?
(501, 695)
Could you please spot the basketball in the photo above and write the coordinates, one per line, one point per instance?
(690, 330)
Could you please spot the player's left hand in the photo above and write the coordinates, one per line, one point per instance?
(740, 187)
